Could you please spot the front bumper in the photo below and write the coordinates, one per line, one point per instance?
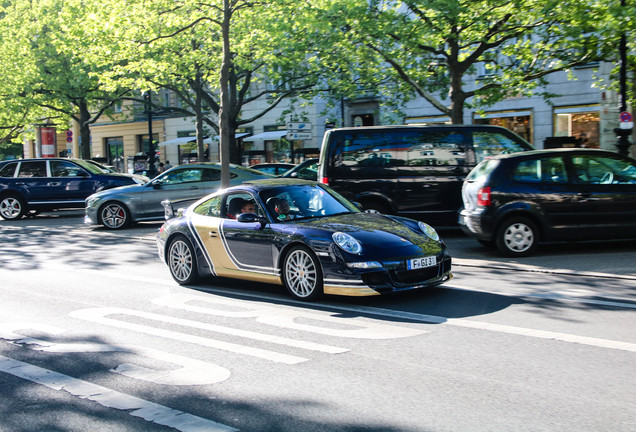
(392, 277)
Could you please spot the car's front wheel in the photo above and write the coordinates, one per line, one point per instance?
(12, 207)
(302, 274)
(182, 261)
(517, 236)
(114, 215)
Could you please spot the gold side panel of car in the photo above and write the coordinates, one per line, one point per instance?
(209, 232)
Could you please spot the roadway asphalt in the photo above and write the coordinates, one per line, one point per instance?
(602, 259)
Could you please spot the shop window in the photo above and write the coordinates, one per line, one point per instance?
(521, 125)
(583, 127)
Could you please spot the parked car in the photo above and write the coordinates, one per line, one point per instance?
(274, 169)
(118, 208)
(516, 201)
(317, 243)
(413, 171)
(307, 170)
(43, 184)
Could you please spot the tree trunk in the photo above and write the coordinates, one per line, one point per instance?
(457, 99)
(85, 132)
(224, 110)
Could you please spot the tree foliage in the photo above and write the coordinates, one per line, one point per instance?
(55, 66)
(433, 48)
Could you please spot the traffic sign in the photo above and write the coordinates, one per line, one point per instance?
(298, 126)
(299, 135)
(627, 122)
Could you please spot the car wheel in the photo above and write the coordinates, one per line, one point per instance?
(302, 274)
(114, 215)
(181, 261)
(374, 207)
(517, 237)
(12, 207)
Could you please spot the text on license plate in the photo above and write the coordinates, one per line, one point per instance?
(417, 263)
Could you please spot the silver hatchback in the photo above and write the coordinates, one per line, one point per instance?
(119, 207)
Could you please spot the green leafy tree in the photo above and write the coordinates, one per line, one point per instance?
(56, 64)
(219, 57)
(435, 48)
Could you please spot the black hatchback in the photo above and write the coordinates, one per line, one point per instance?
(516, 201)
(32, 185)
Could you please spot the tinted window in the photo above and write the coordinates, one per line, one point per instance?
(384, 149)
(544, 170)
(592, 169)
(494, 143)
(65, 169)
(8, 170)
(32, 169)
(187, 175)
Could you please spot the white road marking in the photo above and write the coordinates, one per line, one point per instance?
(99, 315)
(605, 343)
(109, 398)
(320, 323)
(190, 371)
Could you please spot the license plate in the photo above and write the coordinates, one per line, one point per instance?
(418, 263)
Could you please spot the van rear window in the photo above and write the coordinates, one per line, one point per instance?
(394, 148)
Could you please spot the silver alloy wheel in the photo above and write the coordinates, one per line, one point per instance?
(519, 237)
(180, 261)
(11, 208)
(301, 274)
(114, 216)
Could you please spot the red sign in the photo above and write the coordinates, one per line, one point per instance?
(47, 137)
(626, 117)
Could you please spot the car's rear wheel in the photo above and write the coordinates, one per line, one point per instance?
(517, 236)
(302, 274)
(12, 207)
(182, 261)
(114, 215)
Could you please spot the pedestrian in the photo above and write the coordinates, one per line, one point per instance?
(161, 168)
(167, 166)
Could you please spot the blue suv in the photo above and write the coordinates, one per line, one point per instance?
(33, 185)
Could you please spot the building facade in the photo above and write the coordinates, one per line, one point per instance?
(583, 114)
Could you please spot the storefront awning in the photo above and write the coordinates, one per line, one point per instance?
(177, 141)
(267, 136)
(236, 136)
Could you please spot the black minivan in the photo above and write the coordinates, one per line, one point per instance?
(413, 171)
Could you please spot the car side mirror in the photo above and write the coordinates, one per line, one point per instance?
(82, 174)
(251, 217)
(156, 185)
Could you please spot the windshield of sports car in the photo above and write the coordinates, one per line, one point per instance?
(304, 201)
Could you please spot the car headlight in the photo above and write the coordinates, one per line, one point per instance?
(428, 230)
(347, 243)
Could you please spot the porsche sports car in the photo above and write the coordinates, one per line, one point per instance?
(303, 235)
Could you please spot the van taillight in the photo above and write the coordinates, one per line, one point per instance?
(483, 196)
(325, 180)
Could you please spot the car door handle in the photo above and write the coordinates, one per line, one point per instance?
(213, 233)
(53, 183)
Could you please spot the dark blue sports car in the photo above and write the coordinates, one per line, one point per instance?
(302, 235)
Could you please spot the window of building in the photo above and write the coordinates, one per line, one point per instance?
(581, 123)
(520, 122)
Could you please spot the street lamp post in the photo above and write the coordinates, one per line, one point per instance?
(152, 171)
(623, 133)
